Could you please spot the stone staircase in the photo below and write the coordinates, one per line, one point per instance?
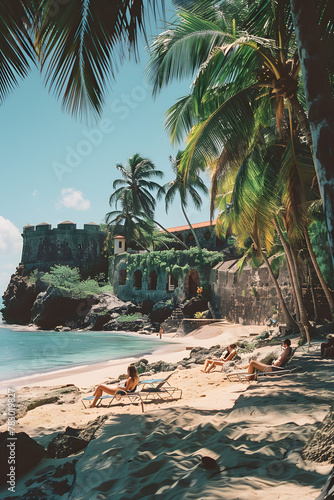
(172, 323)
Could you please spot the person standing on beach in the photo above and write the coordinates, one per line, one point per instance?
(130, 386)
(161, 332)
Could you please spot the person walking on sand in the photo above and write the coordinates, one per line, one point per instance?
(161, 332)
(226, 356)
(275, 366)
(130, 386)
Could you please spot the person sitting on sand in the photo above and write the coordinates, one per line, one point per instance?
(275, 366)
(130, 386)
(226, 356)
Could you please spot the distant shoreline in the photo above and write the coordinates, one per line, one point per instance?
(114, 364)
(87, 375)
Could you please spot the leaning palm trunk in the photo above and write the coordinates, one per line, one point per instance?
(192, 229)
(323, 283)
(315, 309)
(320, 103)
(290, 322)
(303, 314)
(173, 235)
(289, 264)
(305, 326)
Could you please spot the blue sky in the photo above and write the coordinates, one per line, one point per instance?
(55, 168)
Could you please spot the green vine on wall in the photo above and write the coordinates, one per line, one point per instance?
(176, 262)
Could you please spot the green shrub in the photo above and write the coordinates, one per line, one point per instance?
(67, 282)
(129, 317)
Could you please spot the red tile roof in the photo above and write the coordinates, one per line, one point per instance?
(197, 225)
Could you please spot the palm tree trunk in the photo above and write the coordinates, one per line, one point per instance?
(315, 309)
(303, 314)
(323, 283)
(289, 263)
(320, 103)
(290, 322)
(192, 229)
(302, 118)
(173, 235)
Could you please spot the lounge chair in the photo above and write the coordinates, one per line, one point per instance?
(146, 390)
(245, 377)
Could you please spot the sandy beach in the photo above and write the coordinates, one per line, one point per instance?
(255, 431)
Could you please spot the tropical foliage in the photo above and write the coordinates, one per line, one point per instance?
(135, 221)
(77, 44)
(68, 283)
(184, 186)
(246, 122)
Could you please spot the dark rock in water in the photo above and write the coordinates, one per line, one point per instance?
(18, 298)
(194, 305)
(64, 445)
(26, 452)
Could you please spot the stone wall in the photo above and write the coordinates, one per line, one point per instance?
(65, 245)
(251, 297)
(133, 279)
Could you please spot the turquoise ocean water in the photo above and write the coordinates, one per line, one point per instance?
(24, 353)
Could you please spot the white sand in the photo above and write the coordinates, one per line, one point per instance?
(257, 430)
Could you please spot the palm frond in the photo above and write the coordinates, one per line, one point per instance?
(81, 45)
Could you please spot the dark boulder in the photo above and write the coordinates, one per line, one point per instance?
(194, 305)
(161, 311)
(64, 445)
(21, 448)
(18, 298)
(51, 309)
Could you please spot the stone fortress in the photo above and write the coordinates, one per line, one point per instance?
(44, 247)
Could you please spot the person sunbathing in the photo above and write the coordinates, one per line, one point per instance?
(130, 386)
(275, 366)
(210, 364)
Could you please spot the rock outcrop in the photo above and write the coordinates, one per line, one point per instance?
(32, 397)
(25, 451)
(18, 298)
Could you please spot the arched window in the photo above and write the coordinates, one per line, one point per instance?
(190, 237)
(152, 280)
(192, 282)
(122, 277)
(207, 235)
(137, 279)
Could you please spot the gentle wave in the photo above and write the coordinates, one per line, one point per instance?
(31, 352)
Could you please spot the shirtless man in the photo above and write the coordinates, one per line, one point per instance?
(261, 367)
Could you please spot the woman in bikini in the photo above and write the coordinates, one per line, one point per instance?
(130, 386)
(212, 363)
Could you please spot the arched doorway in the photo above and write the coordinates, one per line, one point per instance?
(122, 277)
(152, 280)
(192, 282)
(137, 279)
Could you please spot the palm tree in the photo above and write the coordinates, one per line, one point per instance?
(79, 45)
(183, 185)
(133, 190)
